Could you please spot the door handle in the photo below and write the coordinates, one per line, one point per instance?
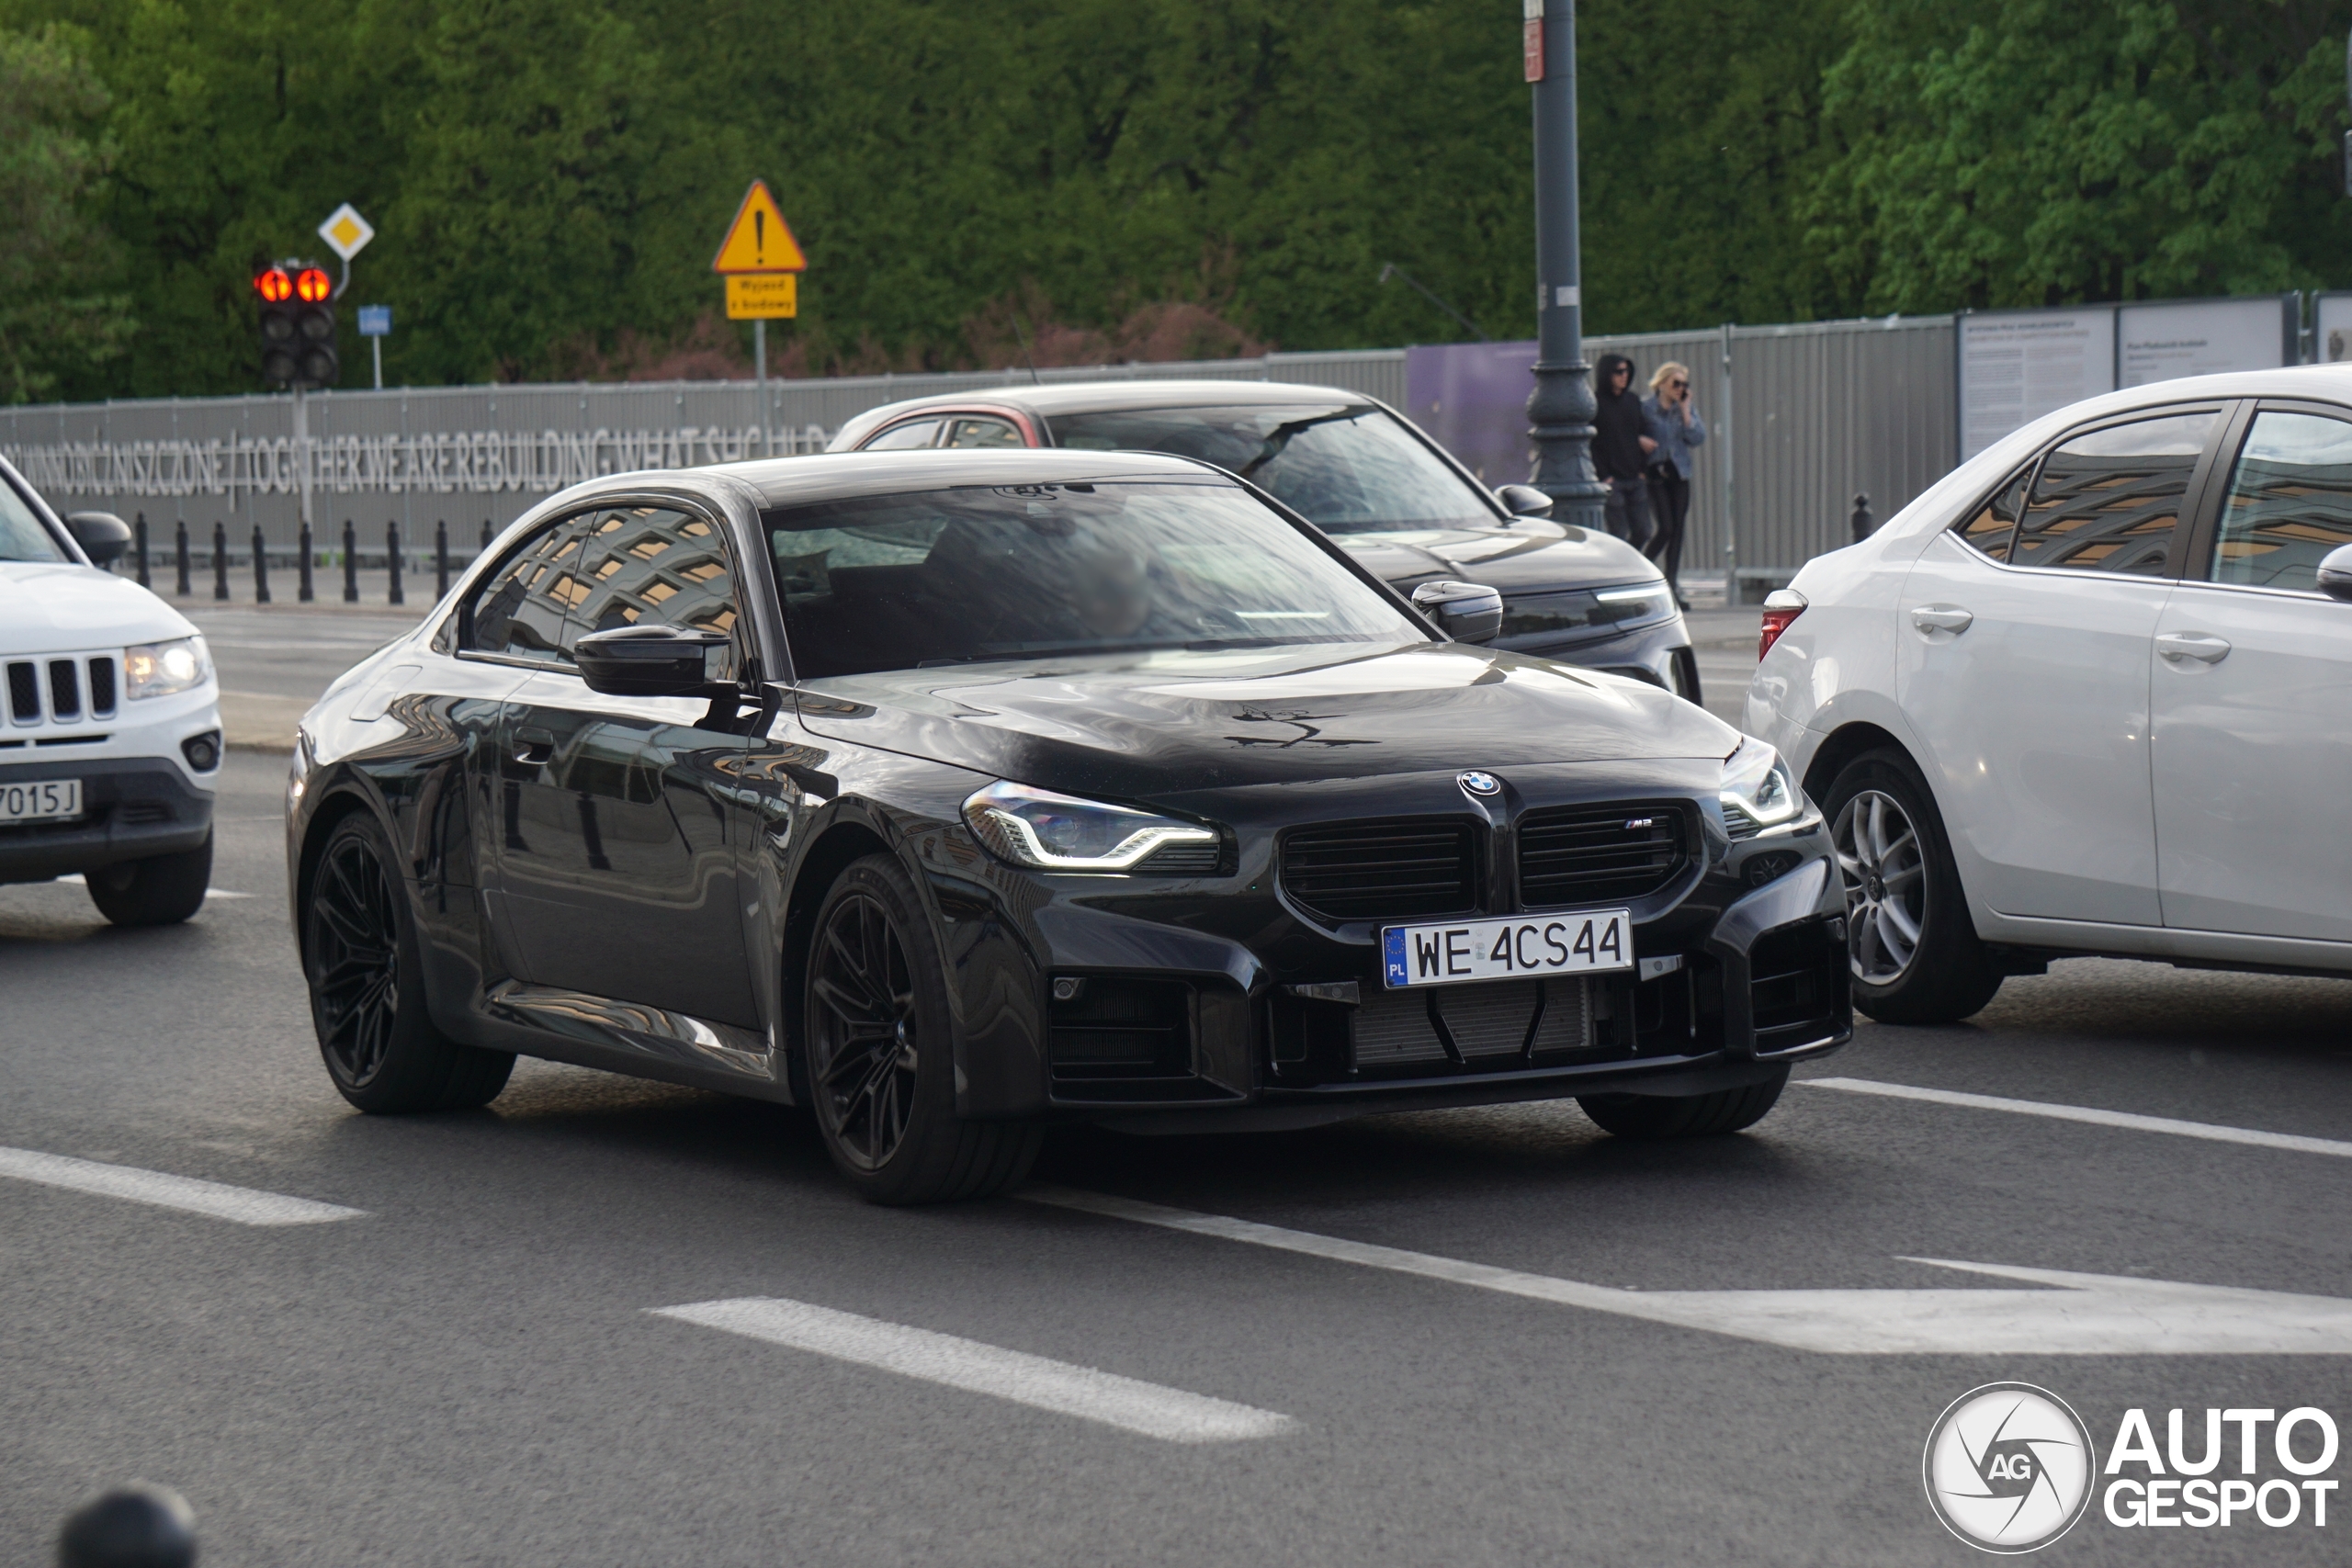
(1942, 618)
(2201, 645)
(534, 746)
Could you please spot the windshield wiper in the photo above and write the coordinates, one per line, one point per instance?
(1271, 444)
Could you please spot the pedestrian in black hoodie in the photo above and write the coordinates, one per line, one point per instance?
(1617, 455)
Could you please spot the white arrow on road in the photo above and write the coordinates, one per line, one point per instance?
(2078, 1314)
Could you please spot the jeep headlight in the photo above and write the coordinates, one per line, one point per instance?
(160, 668)
(1045, 832)
(1757, 790)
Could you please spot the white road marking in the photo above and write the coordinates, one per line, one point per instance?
(75, 879)
(2084, 1315)
(1147, 1408)
(243, 1204)
(2211, 1132)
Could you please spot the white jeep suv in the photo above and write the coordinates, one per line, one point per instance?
(110, 720)
(2091, 693)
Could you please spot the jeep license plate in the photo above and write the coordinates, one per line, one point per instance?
(40, 800)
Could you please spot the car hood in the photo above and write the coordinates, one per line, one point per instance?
(1526, 557)
(53, 607)
(1144, 724)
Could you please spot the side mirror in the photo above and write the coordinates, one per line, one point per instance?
(1469, 611)
(654, 662)
(2335, 572)
(102, 535)
(1524, 501)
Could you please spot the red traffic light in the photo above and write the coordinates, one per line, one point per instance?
(312, 285)
(273, 285)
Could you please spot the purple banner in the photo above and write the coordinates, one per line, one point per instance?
(1472, 400)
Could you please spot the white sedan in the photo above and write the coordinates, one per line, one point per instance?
(2091, 693)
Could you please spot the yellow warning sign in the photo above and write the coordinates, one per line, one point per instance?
(759, 239)
(763, 296)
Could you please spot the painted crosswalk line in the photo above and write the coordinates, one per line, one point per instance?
(1169, 1413)
(245, 1205)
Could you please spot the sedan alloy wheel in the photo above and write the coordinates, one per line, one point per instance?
(1880, 855)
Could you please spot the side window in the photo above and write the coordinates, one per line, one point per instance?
(2290, 503)
(1991, 526)
(901, 437)
(653, 566)
(973, 431)
(2109, 500)
(520, 610)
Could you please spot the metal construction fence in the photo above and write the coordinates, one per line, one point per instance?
(1805, 417)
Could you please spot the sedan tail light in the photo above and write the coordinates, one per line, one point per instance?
(1782, 606)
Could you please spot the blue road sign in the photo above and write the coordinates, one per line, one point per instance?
(375, 321)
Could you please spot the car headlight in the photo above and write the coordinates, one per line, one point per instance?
(160, 668)
(1757, 790)
(1038, 829)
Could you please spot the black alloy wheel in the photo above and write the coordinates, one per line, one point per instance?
(359, 954)
(867, 1040)
(881, 1054)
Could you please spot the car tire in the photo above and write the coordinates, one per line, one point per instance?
(1685, 1115)
(881, 1057)
(162, 890)
(366, 971)
(1914, 950)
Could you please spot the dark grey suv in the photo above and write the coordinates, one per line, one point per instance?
(1387, 494)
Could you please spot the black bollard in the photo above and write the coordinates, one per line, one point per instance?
(303, 591)
(183, 588)
(441, 558)
(219, 560)
(138, 533)
(392, 563)
(350, 563)
(261, 568)
(1862, 525)
(132, 1527)
(485, 535)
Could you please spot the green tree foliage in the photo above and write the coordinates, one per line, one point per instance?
(56, 314)
(2050, 151)
(1100, 178)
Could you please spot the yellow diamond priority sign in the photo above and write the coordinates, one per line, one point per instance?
(346, 232)
(763, 296)
(758, 241)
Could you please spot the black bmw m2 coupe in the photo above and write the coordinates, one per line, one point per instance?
(955, 794)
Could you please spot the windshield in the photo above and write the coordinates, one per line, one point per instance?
(21, 535)
(1347, 468)
(1022, 572)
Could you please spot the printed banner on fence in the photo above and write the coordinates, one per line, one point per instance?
(470, 462)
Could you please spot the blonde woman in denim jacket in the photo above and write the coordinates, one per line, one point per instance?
(1672, 433)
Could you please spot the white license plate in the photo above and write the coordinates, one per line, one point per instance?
(40, 800)
(1506, 950)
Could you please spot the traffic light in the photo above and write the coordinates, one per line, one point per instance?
(297, 327)
(280, 359)
(315, 320)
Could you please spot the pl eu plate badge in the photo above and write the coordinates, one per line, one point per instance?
(1392, 954)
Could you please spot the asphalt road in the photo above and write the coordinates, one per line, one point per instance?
(472, 1371)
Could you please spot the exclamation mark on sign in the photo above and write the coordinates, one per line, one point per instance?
(759, 236)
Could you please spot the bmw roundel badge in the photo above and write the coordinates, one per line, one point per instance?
(1483, 785)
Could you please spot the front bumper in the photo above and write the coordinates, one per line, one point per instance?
(131, 807)
(1208, 1004)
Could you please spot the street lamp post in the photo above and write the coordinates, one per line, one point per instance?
(1560, 410)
